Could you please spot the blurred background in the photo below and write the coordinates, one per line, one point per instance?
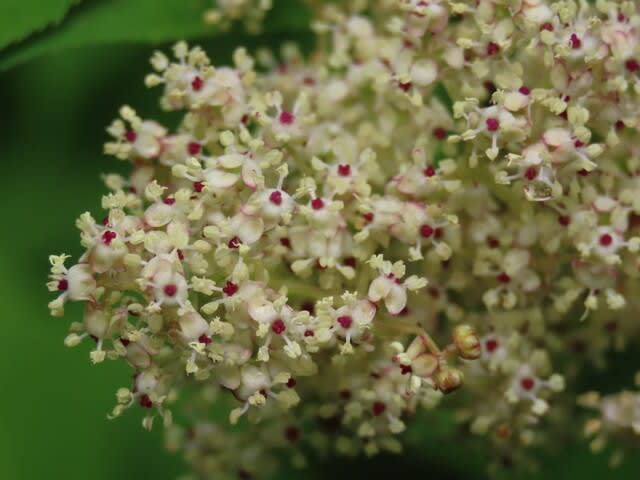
(65, 68)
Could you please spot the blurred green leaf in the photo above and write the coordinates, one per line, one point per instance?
(140, 21)
(20, 18)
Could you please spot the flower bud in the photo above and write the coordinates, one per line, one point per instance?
(466, 341)
(449, 379)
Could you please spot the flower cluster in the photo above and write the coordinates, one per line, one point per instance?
(618, 417)
(316, 244)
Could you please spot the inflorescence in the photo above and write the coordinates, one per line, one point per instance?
(443, 192)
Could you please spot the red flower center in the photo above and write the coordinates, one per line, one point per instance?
(197, 84)
(378, 408)
(63, 285)
(491, 345)
(429, 171)
(278, 326)
(575, 41)
(503, 278)
(204, 339)
(606, 240)
(234, 242)
(285, 242)
(345, 321)
(170, 290)
(492, 48)
(108, 236)
(531, 173)
(344, 170)
(286, 118)
(524, 90)
(145, 401)
(230, 288)
(405, 87)
(193, 148)
(632, 65)
(198, 186)
(527, 383)
(130, 136)
(564, 220)
(426, 231)
(317, 203)
(440, 133)
(276, 197)
(493, 124)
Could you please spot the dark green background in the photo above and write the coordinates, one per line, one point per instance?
(53, 403)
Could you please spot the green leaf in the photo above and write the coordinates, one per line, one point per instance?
(103, 22)
(20, 18)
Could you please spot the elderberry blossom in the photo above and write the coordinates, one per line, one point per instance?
(443, 195)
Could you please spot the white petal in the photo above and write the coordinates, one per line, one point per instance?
(221, 179)
(396, 299)
(379, 288)
(231, 160)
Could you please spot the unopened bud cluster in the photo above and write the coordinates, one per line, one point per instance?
(443, 194)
